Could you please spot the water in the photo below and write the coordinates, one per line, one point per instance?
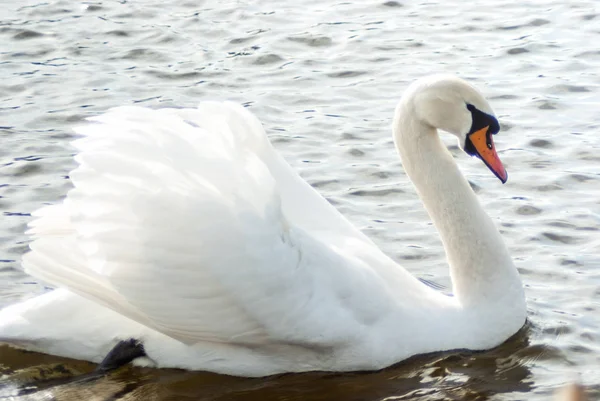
(324, 77)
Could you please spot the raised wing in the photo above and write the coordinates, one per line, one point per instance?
(176, 221)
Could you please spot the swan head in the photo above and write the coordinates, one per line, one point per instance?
(453, 105)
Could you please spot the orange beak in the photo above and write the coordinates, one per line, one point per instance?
(486, 151)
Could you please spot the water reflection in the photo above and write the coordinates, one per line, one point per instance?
(447, 376)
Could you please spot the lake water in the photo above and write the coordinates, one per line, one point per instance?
(324, 77)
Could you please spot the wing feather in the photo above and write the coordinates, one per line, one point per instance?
(187, 221)
(163, 205)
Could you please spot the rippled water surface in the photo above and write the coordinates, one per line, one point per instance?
(324, 77)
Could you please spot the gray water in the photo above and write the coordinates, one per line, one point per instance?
(324, 77)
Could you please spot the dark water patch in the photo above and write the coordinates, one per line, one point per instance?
(392, 4)
(19, 249)
(589, 336)
(118, 33)
(237, 41)
(517, 50)
(165, 38)
(569, 88)
(561, 224)
(325, 183)
(18, 88)
(346, 74)
(351, 136)
(581, 177)
(381, 174)
(5, 204)
(54, 62)
(541, 143)
(528, 210)
(506, 96)
(376, 192)
(569, 262)
(266, 59)
(63, 135)
(26, 169)
(588, 54)
(174, 76)
(50, 9)
(380, 60)
(19, 214)
(93, 7)
(139, 14)
(31, 158)
(316, 41)
(588, 156)
(545, 105)
(538, 22)
(77, 117)
(356, 152)
(558, 330)
(141, 54)
(146, 99)
(414, 256)
(27, 73)
(34, 53)
(579, 349)
(76, 50)
(280, 139)
(509, 27)
(27, 34)
(541, 164)
(561, 238)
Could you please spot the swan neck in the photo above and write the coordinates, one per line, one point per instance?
(480, 265)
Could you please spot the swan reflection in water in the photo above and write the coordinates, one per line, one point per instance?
(448, 376)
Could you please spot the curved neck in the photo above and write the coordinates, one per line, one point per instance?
(480, 265)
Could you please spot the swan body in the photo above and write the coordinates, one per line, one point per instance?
(186, 231)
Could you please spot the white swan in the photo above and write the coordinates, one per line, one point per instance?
(187, 231)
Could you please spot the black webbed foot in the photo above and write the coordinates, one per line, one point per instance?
(121, 354)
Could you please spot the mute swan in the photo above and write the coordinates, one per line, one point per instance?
(187, 232)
